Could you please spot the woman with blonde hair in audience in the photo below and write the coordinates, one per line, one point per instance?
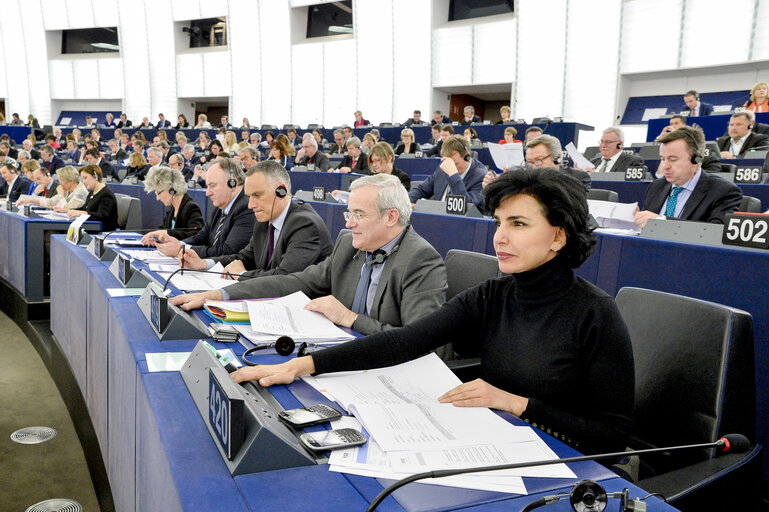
(759, 98)
(505, 113)
(137, 166)
(368, 142)
(290, 149)
(71, 193)
(246, 124)
(203, 123)
(407, 144)
(163, 135)
(380, 161)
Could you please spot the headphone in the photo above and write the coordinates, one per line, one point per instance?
(380, 256)
(589, 496)
(172, 191)
(557, 160)
(697, 156)
(229, 166)
(284, 346)
(281, 191)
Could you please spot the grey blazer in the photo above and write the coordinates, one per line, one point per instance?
(412, 284)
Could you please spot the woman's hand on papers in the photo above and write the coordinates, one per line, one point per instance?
(149, 238)
(270, 374)
(76, 213)
(479, 393)
(190, 301)
(332, 309)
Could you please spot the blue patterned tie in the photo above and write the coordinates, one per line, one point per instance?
(670, 210)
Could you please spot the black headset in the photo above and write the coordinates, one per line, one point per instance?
(379, 256)
(172, 191)
(697, 156)
(284, 346)
(229, 166)
(588, 496)
(281, 191)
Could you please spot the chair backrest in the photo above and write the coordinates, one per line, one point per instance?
(129, 212)
(600, 194)
(465, 269)
(590, 152)
(694, 372)
(121, 173)
(750, 204)
(649, 152)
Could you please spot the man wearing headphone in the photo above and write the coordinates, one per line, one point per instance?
(686, 191)
(381, 274)
(612, 158)
(15, 185)
(457, 174)
(289, 236)
(229, 225)
(46, 184)
(694, 107)
(741, 139)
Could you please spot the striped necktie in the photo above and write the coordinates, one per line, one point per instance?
(670, 210)
(219, 227)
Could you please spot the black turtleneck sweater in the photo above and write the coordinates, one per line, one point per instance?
(544, 334)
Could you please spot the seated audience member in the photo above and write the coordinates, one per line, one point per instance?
(60, 139)
(116, 153)
(545, 151)
(9, 151)
(225, 123)
(137, 167)
(471, 136)
(338, 147)
(15, 184)
(93, 156)
(318, 134)
(279, 153)
(89, 122)
(676, 122)
(229, 225)
(469, 116)
(510, 133)
(311, 158)
(439, 118)
(182, 122)
(288, 235)
(694, 107)
(29, 147)
(32, 121)
(505, 112)
(359, 121)
(28, 171)
(214, 149)
(15, 120)
(255, 140)
(435, 131)
(70, 192)
(381, 159)
(109, 120)
(367, 143)
(545, 337)
(21, 158)
(531, 133)
(249, 157)
(145, 124)
(759, 98)
(292, 138)
(203, 123)
(290, 149)
(50, 140)
(353, 161)
(46, 184)
(740, 139)
(611, 157)
(350, 287)
(408, 143)
(446, 131)
(72, 154)
(177, 163)
(51, 162)
(416, 120)
(101, 203)
(184, 217)
(347, 131)
(231, 143)
(457, 174)
(687, 192)
(246, 124)
(124, 122)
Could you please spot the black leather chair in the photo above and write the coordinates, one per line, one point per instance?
(591, 152)
(694, 382)
(600, 194)
(750, 204)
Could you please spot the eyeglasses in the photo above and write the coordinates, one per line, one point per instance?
(539, 162)
(356, 216)
(607, 142)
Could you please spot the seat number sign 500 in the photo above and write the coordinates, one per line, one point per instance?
(747, 230)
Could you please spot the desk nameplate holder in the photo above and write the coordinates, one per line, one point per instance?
(172, 324)
(699, 233)
(617, 176)
(126, 274)
(268, 444)
(100, 250)
(439, 208)
(307, 195)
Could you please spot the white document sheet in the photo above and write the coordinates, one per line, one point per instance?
(287, 317)
(613, 215)
(506, 156)
(51, 215)
(578, 158)
(149, 256)
(199, 281)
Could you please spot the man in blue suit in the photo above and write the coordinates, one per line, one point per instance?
(458, 174)
(162, 122)
(694, 107)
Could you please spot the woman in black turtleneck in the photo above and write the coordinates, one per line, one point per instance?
(553, 347)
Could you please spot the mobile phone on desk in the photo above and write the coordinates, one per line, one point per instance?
(311, 415)
(324, 440)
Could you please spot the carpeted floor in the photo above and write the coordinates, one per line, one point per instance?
(33, 473)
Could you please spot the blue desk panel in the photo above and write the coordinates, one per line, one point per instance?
(714, 126)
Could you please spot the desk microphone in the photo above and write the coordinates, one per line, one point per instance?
(736, 443)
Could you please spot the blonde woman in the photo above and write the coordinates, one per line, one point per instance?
(759, 98)
(203, 123)
(230, 143)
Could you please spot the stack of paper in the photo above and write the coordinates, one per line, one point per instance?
(506, 156)
(149, 256)
(227, 311)
(198, 281)
(51, 215)
(614, 216)
(286, 316)
(411, 432)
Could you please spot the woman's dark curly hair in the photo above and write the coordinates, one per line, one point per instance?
(563, 201)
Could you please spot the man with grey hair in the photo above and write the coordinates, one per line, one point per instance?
(338, 147)
(188, 151)
(381, 274)
(29, 148)
(154, 156)
(353, 161)
(288, 237)
(176, 161)
(612, 158)
(22, 157)
(249, 157)
(469, 116)
(310, 157)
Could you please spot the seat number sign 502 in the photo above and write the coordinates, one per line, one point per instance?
(747, 230)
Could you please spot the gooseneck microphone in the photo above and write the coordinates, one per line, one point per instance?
(182, 270)
(732, 443)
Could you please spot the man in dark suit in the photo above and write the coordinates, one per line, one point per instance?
(15, 185)
(354, 161)
(310, 157)
(685, 191)
(416, 120)
(124, 122)
(694, 107)
(469, 116)
(162, 122)
(230, 224)
(29, 148)
(612, 158)
(439, 118)
(94, 157)
(445, 131)
(51, 162)
(740, 139)
(226, 123)
(46, 183)
(176, 161)
(379, 276)
(338, 147)
(288, 236)
(457, 174)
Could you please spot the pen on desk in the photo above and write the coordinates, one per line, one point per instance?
(181, 264)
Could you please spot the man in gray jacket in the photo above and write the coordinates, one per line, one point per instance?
(380, 276)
